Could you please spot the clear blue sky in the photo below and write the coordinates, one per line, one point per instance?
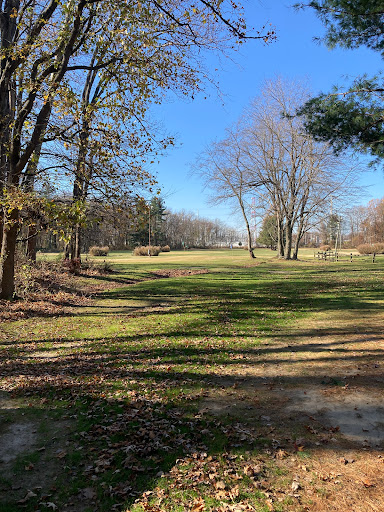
(294, 55)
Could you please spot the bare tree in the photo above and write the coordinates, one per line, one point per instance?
(297, 175)
(269, 154)
(224, 174)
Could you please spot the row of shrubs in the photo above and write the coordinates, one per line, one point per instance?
(325, 248)
(377, 248)
(138, 251)
(153, 250)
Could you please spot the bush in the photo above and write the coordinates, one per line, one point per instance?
(24, 279)
(105, 268)
(325, 248)
(378, 248)
(144, 250)
(366, 248)
(165, 248)
(72, 266)
(99, 251)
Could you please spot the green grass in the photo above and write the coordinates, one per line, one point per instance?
(131, 371)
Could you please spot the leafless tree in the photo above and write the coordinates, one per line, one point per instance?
(269, 154)
(225, 175)
(298, 175)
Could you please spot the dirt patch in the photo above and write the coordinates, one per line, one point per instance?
(33, 448)
(358, 415)
(159, 274)
(18, 439)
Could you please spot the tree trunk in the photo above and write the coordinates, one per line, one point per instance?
(67, 251)
(280, 238)
(250, 248)
(295, 250)
(288, 241)
(249, 234)
(76, 243)
(31, 243)
(7, 258)
(300, 233)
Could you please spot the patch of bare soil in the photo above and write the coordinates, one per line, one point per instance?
(159, 274)
(32, 449)
(358, 415)
(319, 403)
(17, 439)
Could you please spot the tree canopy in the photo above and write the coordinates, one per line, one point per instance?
(268, 155)
(82, 74)
(351, 117)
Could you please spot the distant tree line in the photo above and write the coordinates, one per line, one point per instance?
(142, 224)
(355, 225)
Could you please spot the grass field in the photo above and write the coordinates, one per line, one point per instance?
(200, 381)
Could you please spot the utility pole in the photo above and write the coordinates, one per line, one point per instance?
(149, 232)
(338, 237)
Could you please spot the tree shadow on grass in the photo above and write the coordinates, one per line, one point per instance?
(137, 430)
(136, 399)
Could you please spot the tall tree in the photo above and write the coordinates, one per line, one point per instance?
(268, 232)
(269, 155)
(299, 175)
(46, 46)
(224, 174)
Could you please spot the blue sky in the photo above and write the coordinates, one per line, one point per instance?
(294, 56)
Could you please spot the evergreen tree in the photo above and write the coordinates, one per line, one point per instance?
(157, 207)
(353, 117)
(149, 223)
(268, 233)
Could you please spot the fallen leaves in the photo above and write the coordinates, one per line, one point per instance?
(368, 483)
(27, 497)
(198, 506)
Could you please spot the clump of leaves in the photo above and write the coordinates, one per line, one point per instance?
(24, 279)
(73, 266)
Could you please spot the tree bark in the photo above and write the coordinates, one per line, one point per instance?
(76, 243)
(280, 238)
(288, 240)
(7, 257)
(31, 248)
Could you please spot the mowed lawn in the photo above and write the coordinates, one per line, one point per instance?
(200, 381)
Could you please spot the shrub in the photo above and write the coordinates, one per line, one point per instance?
(379, 248)
(366, 248)
(96, 267)
(165, 248)
(105, 268)
(24, 279)
(99, 251)
(144, 250)
(72, 266)
(325, 248)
